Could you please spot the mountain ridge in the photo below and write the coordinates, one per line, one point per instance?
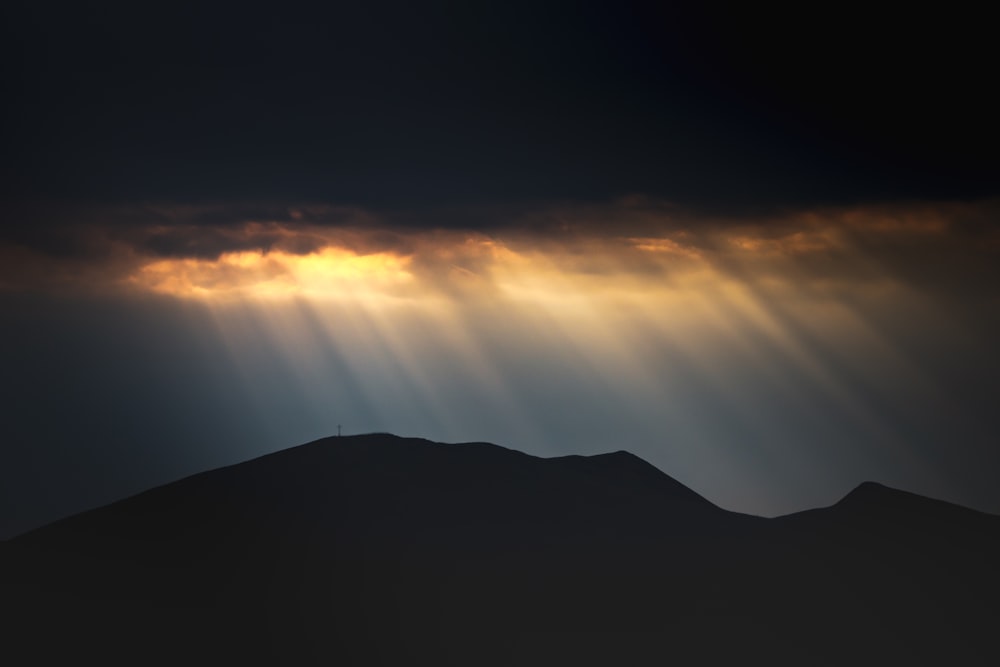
(622, 460)
(382, 550)
(503, 484)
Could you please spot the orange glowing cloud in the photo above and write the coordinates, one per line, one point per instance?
(635, 245)
(329, 272)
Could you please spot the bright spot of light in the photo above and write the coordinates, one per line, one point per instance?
(329, 272)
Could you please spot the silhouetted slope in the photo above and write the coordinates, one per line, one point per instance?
(365, 489)
(386, 551)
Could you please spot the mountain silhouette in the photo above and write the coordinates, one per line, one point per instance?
(381, 550)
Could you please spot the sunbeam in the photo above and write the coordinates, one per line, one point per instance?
(756, 360)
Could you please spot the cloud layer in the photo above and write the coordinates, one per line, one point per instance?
(948, 249)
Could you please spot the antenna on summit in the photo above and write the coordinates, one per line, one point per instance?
(338, 430)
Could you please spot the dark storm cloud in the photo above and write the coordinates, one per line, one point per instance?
(87, 231)
(949, 250)
(398, 105)
(204, 242)
(293, 236)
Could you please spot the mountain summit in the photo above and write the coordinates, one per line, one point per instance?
(381, 550)
(349, 491)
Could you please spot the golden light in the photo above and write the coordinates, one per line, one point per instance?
(330, 272)
(768, 324)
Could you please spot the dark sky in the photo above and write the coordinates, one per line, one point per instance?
(757, 245)
(389, 104)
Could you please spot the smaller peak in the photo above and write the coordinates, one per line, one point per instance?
(871, 487)
(869, 490)
(624, 459)
(875, 495)
(619, 454)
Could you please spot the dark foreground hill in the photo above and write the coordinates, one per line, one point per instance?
(379, 550)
